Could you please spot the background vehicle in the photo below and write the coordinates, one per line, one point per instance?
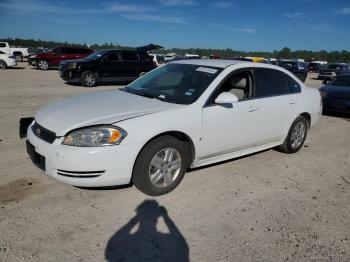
(336, 94)
(32, 55)
(7, 60)
(157, 59)
(299, 69)
(107, 66)
(18, 52)
(333, 70)
(53, 58)
(169, 57)
(315, 66)
(188, 113)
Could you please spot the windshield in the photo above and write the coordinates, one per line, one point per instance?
(175, 83)
(340, 81)
(96, 55)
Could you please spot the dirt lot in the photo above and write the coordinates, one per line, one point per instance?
(266, 207)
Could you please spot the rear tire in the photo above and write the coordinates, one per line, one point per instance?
(88, 79)
(160, 166)
(3, 64)
(19, 57)
(296, 136)
(43, 65)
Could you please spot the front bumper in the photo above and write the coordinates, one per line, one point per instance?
(84, 166)
(69, 75)
(32, 61)
(326, 77)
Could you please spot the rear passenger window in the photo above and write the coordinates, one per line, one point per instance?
(270, 82)
(129, 56)
(294, 87)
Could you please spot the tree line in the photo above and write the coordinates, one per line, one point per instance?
(342, 56)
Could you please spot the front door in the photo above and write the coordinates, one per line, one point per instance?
(111, 66)
(233, 127)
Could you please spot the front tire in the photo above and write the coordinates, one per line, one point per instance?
(3, 64)
(43, 65)
(88, 79)
(160, 166)
(296, 136)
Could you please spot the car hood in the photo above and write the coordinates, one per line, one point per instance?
(106, 107)
(337, 91)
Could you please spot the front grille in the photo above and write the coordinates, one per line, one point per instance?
(43, 133)
(80, 174)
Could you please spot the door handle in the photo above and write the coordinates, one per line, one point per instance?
(292, 102)
(253, 108)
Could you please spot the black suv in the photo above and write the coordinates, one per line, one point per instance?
(299, 69)
(106, 66)
(333, 70)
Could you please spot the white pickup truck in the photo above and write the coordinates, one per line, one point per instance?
(18, 52)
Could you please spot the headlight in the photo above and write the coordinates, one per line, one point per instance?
(95, 136)
(71, 66)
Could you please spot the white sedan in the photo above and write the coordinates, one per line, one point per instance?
(185, 114)
(7, 60)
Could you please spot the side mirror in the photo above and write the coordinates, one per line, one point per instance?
(226, 98)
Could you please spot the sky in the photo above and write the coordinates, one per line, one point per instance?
(249, 25)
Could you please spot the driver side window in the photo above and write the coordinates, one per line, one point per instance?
(240, 84)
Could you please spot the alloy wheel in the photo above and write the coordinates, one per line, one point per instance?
(165, 167)
(298, 135)
(43, 65)
(89, 79)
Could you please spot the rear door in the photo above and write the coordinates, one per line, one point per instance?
(81, 53)
(131, 63)
(57, 55)
(279, 96)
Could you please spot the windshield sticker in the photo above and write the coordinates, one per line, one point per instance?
(206, 70)
(162, 96)
(188, 93)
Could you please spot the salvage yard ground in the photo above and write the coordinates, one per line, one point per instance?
(265, 207)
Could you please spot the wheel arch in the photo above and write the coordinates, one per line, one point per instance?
(17, 53)
(179, 135)
(307, 116)
(3, 61)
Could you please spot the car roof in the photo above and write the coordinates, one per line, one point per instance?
(223, 63)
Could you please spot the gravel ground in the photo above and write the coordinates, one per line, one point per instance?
(265, 207)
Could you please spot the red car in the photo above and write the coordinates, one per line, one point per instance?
(53, 58)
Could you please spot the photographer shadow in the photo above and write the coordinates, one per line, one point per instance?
(147, 244)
